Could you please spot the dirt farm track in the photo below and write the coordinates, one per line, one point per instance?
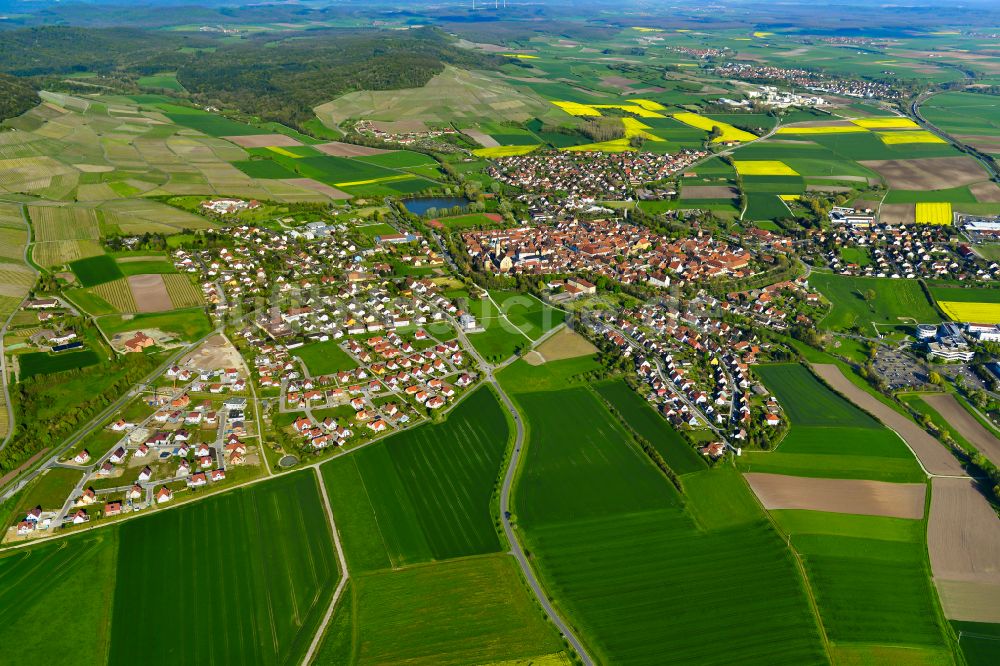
(947, 406)
(869, 498)
(963, 538)
(932, 455)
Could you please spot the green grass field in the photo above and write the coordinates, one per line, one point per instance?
(77, 594)
(188, 325)
(96, 270)
(147, 267)
(829, 437)
(253, 569)
(208, 123)
(896, 302)
(324, 358)
(807, 401)
(652, 427)
(965, 294)
(980, 642)
(467, 611)
(765, 206)
(871, 579)
(620, 556)
(593, 458)
(424, 494)
(44, 363)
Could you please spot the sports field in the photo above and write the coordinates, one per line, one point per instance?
(896, 302)
(253, 569)
(424, 494)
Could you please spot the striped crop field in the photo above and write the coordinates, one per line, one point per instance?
(938, 212)
(55, 223)
(980, 313)
(183, 293)
(117, 294)
(424, 494)
(729, 133)
(57, 253)
(12, 243)
(763, 168)
(908, 136)
(252, 569)
(893, 122)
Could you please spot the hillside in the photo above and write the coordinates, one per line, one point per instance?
(16, 96)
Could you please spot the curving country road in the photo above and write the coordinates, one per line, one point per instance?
(508, 480)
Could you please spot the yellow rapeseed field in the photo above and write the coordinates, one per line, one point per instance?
(522, 56)
(640, 111)
(909, 136)
(635, 127)
(503, 151)
(789, 197)
(729, 133)
(282, 151)
(649, 104)
(384, 179)
(822, 129)
(763, 168)
(577, 109)
(892, 122)
(933, 213)
(616, 146)
(979, 313)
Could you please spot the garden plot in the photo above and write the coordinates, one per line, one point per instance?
(868, 498)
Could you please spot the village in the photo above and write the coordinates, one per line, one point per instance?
(605, 247)
(589, 175)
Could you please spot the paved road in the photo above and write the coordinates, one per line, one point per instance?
(96, 422)
(515, 545)
(3, 333)
(516, 550)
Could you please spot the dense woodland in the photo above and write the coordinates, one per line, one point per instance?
(276, 77)
(16, 96)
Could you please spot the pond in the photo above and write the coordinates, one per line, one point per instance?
(420, 206)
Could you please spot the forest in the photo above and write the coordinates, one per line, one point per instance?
(276, 77)
(16, 96)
